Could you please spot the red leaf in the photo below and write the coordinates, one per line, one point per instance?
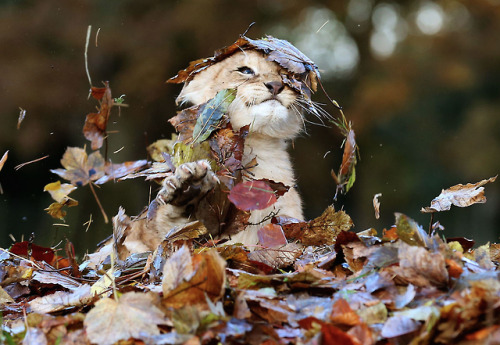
(271, 235)
(38, 253)
(252, 195)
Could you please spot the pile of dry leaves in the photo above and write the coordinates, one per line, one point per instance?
(314, 282)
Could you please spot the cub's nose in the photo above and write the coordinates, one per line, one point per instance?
(275, 87)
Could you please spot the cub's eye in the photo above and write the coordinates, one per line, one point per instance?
(246, 70)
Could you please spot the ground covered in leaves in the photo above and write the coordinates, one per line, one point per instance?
(314, 282)
(401, 287)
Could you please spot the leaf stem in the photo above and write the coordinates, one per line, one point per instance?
(99, 203)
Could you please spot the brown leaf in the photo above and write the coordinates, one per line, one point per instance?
(95, 125)
(271, 235)
(320, 231)
(80, 169)
(55, 210)
(60, 300)
(376, 205)
(252, 195)
(301, 68)
(184, 123)
(342, 314)
(277, 257)
(133, 315)
(459, 195)
(200, 275)
(409, 231)
(4, 159)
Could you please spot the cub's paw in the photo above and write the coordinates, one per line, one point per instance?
(191, 182)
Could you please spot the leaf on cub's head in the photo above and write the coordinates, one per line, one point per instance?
(95, 125)
(303, 74)
(459, 195)
(80, 169)
(252, 195)
(212, 114)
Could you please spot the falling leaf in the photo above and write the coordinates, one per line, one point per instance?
(347, 173)
(133, 315)
(117, 171)
(22, 115)
(59, 192)
(252, 195)
(212, 114)
(459, 195)
(4, 159)
(81, 169)
(95, 125)
(376, 205)
(55, 210)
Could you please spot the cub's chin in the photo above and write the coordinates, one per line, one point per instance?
(270, 118)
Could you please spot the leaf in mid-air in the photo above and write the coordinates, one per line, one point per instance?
(252, 195)
(459, 195)
(212, 114)
(59, 192)
(95, 125)
(81, 169)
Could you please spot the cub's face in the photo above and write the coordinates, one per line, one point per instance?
(262, 100)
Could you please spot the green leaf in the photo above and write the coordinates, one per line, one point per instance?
(212, 114)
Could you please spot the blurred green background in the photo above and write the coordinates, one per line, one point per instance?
(418, 79)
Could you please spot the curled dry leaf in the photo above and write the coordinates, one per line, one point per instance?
(95, 125)
(81, 169)
(459, 195)
(410, 231)
(4, 159)
(55, 210)
(133, 315)
(59, 192)
(20, 119)
(376, 205)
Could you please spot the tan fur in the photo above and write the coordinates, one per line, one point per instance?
(274, 121)
(272, 124)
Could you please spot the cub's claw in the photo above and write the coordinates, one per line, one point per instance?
(191, 182)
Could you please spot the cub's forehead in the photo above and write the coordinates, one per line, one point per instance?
(251, 58)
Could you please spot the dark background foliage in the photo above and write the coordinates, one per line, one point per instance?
(418, 79)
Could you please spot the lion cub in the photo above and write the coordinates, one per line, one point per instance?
(270, 107)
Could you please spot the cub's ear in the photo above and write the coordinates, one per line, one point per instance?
(201, 88)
